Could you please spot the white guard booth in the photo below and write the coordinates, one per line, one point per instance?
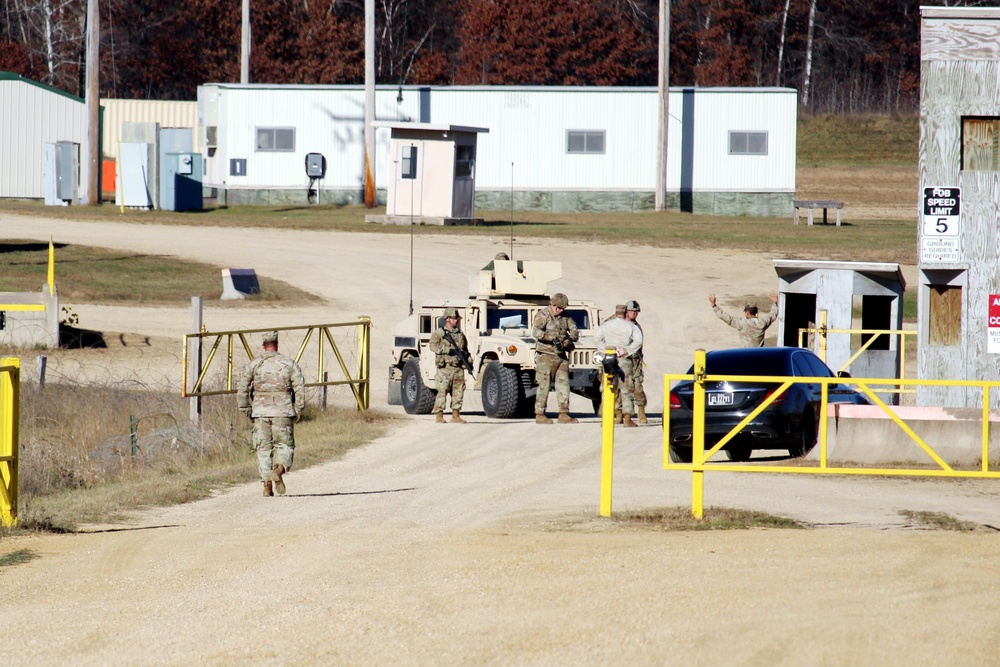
(432, 174)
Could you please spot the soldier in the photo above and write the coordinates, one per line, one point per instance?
(752, 326)
(638, 392)
(626, 338)
(272, 394)
(447, 343)
(555, 334)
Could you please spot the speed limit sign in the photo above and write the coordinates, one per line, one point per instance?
(942, 208)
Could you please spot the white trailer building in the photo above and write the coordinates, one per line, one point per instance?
(731, 150)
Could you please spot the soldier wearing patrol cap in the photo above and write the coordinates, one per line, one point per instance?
(555, 334)
(632, 311)
(626, 339)
(271, 393)
(447, 343)
(752, 325)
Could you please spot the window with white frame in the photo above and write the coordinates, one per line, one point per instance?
(275, 139)
(747, 143)
(585, 141)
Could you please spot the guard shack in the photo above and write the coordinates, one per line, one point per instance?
(959, 203)
(433, 174)
(855, 295)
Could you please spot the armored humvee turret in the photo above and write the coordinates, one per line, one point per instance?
(497, 320)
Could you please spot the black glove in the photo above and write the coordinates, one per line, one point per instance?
(452, 352)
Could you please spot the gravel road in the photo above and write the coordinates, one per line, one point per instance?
(481, 544)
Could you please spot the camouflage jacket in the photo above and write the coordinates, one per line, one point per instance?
(548, 328)
(751, 329)
(272, 385)
(442, 347)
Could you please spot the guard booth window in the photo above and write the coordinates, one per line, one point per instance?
(945, 320)
(876, 313)
(800, 313)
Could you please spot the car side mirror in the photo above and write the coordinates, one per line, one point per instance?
(843, 374)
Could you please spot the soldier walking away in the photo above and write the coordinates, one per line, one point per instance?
(626, 338)
(272, 394)
(752, 325)
(555, 333)
(632, 311)
(449, 345)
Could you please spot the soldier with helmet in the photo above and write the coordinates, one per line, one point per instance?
(271, 393)
(632, 311)
(555, 334)
(626, 339)
(447, 343)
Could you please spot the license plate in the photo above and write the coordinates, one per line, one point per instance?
(720, 399)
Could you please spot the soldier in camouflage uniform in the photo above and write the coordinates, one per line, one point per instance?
(555, 334)
(450, 376)
(271, 392)
(752, 325)
(638, 392)
(626, 339)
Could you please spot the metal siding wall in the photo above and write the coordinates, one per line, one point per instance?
(32, 117)
(527, 129)
(166, 113)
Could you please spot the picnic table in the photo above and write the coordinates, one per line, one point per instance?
(812, 204)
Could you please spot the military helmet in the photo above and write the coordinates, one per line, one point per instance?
(633, 305)
(269, 337)
(501, 256)
(559, 300)
(451, 312)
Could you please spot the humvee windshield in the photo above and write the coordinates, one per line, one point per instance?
(581, 317)
(507, 318)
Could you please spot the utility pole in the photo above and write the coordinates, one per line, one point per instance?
(93, 99)
(663, 89)
(245, 45)
(369, 103)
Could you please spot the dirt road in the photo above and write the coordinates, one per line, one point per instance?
(480, 544)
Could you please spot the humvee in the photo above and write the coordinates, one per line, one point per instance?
(497, 320)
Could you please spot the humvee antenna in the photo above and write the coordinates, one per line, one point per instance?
(411, 239)
(512, 210)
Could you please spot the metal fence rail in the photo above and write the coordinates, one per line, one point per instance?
(10, 391)
(352, 357)
(700, 455)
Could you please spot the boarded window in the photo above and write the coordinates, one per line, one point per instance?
(275, 139)
(747, 143)
(981, 144)
(585, 141)
(945, 324)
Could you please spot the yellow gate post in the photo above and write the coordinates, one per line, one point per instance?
(10, 386)
(698, 437)
(607, 439)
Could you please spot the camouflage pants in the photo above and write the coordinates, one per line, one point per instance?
(625, 386)
(638, 393)
(547, 368)
(450, 379)
(274, 440)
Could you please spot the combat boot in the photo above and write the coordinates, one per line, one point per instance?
(618, 416)
(456, 418)
(267, 490)
(542, 419)
(564, 418)
(439, 418)
(279, 484)
(627, 421)
(642, 415)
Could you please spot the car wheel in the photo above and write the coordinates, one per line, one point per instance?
(500, 390)
(807, 436)
(680, 454)
(739, 452)
(417, 398)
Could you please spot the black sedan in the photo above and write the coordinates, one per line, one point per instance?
(789, 422)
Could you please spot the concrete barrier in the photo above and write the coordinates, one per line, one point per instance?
(239, 283)
(866, 434)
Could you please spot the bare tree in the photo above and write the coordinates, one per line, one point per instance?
(781, 41)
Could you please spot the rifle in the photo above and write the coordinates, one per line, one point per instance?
(463, 357)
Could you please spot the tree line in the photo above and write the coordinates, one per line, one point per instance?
(844, 56)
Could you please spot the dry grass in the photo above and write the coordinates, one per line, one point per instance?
(940, 521)
(17, 557)
(714, 518)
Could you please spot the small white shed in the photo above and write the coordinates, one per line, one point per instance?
(432, 178)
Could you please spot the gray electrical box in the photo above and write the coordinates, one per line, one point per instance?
(315, 165)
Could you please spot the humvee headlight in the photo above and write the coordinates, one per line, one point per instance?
(512, 350)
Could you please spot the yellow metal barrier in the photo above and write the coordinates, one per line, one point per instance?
(700, 456)
(10, 391)
(358, 378)
(607, 440)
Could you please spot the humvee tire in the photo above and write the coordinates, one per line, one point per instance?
(500, 390)
(417, 398)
